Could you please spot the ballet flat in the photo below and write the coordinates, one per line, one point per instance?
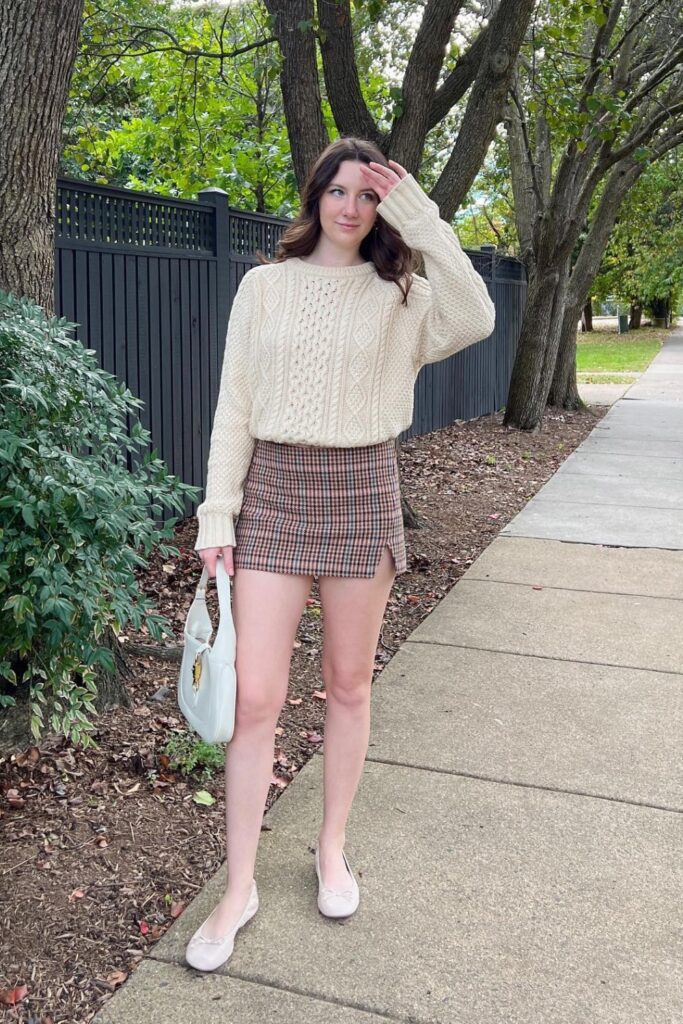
(337, 902)
(208, 954)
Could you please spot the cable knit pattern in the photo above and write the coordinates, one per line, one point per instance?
(328, 355)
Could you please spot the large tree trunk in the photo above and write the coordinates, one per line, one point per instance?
(537, 347)
(38, 42)
(635, 317)
(564, 391)
(299, 83)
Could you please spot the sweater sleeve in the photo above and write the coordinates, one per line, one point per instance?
(232, 445)
(453, 308)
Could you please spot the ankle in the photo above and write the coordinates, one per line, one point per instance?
(238, 888)
(331, 841)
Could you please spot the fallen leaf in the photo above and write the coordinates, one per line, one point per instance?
(320, 694)
(77, 894)
(295, 700)
(117, 977)
(31, 754)
(12, 996)
(204, 798)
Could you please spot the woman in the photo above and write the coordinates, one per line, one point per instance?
(323, 348)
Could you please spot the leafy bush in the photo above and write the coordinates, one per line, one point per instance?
(74, 519)
(187, 753)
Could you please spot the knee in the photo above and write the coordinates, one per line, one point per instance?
(350, 688)
(258, 705)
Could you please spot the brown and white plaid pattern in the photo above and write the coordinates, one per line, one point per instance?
(320, 511)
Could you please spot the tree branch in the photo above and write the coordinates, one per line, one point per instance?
(419, 81)
(460, 78)
(176, 47)
(486, 103)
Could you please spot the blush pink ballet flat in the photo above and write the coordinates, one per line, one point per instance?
(337, 902)
(208, 954)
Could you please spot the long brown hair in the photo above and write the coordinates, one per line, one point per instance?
(393, 259)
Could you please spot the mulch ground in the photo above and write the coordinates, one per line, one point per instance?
(103, 849)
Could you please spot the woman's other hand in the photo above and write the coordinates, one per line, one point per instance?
(382, 178)
(209, 556)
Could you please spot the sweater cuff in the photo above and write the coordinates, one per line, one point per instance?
(216, 530)
(406, 201)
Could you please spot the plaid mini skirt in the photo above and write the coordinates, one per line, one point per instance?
(320, 511)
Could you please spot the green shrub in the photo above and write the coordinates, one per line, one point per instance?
(188, 753)
(74, 520)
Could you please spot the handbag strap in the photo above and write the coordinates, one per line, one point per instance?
(222, 585)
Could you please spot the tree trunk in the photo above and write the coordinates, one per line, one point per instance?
(38, 42)
(299, 83)
(635, 316)
(587, 317)
(564, 391)
(537, 347)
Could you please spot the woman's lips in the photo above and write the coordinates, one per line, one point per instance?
(349, 227)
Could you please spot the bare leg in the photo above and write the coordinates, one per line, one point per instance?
(266, 609)
(353, 610)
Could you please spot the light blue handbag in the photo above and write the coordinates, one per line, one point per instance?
(207, 684)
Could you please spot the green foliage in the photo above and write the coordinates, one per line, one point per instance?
(644, 259)
(74, 520)
(188, 753)
(149, 111)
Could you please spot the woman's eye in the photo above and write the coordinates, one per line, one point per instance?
(367, 195)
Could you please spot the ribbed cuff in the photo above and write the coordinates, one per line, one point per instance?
(216, 530)
(406, 201)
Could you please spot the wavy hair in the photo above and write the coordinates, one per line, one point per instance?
(383, 245)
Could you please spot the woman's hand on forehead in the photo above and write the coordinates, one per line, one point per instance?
(382, 178)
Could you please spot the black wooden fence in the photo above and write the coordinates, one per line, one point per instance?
(150, 281)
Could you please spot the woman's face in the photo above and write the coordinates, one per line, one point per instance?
(347, 207)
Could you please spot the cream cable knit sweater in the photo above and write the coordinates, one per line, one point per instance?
(328, 355)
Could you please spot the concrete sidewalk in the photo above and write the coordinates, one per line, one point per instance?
(518, 831)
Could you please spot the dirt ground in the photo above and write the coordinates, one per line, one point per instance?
(103, 849)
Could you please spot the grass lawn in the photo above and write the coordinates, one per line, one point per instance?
(606, 378)
(604, 351)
